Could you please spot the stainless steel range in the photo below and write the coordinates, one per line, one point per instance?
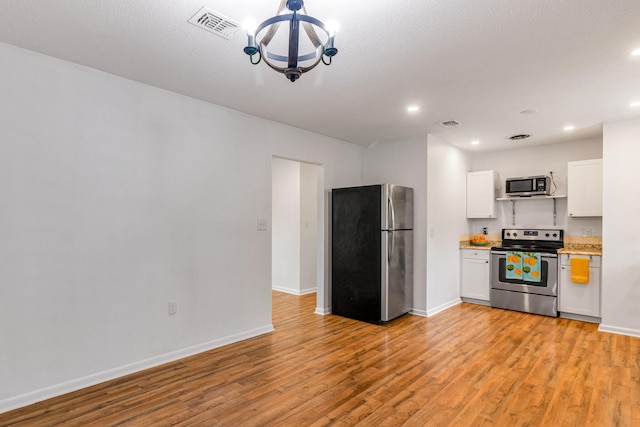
(524, 271)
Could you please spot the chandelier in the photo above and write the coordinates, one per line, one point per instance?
(293, 64)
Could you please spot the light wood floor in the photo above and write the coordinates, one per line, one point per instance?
(470, 365)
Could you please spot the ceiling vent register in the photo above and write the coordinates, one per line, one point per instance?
(215, 22)
(519, 137)
(449, 123)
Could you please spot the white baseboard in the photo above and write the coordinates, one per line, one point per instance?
(620, 331)
(100, 377)
(580, 317)
(322, 311)
(476, 301)
(298, 292)
(443, 307)
(417, 312)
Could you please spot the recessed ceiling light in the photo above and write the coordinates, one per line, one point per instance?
(636, 52)
(413, 109)
(475, 142)
(528, 112)
(635, 104)
(568, 128)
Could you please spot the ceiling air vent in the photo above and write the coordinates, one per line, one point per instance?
(449, 123)
(519, 137)
(215, 23)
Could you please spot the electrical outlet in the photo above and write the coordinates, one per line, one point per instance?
(586, 232)
(484, 230)
(173, 307)
(262, 225)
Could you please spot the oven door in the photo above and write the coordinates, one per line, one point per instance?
(548, 284)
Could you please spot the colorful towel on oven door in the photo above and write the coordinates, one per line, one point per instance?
(531, 266)
(523, 266)
(513, 265)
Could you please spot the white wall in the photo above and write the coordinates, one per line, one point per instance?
(539, 160)
(446, 218)
(285, 219)
(118, 198)
(308, 227)
(295, 230)
(405, 163)
(620, 237)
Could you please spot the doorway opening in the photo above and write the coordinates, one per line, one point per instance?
(297, 227)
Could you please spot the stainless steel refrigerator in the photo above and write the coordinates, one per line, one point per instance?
(372, 252)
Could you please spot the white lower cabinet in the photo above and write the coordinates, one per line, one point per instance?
(577, 298)
(474, 274)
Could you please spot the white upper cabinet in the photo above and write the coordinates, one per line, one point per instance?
(481, 194)
(584, 188)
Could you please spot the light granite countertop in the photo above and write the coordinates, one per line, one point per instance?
(466, 244)
(579, 245)
(581, 249)
(574, 245)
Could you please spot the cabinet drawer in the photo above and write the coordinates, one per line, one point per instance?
(475, 254)
(594, 260)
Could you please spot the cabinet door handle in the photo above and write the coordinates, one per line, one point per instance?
(486, 262)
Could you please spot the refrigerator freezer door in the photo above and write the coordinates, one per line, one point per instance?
(355, 253)
(397, 273)
(397, 207)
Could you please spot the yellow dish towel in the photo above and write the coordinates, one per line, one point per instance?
(580, 270)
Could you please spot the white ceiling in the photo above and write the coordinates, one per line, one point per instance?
(480, 62)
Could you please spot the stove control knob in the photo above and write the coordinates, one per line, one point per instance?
(555, 235)
(547, 235)
(508, 234)
(515, 234)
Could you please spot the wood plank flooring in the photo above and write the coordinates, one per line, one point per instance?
(468, 366)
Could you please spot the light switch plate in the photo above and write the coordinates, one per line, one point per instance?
(173, 307)
(262, 225)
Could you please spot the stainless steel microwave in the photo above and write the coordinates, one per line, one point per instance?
(528, 186)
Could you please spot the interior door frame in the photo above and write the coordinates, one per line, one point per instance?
(323, 290)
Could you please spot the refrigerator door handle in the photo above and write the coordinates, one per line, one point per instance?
(392, 211)
(391, 246)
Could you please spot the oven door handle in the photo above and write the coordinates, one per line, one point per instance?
(542, 254)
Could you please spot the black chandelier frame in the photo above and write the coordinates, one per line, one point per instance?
(293, 70)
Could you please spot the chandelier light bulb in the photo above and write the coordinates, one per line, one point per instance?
(332, 27)
(250, 26)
